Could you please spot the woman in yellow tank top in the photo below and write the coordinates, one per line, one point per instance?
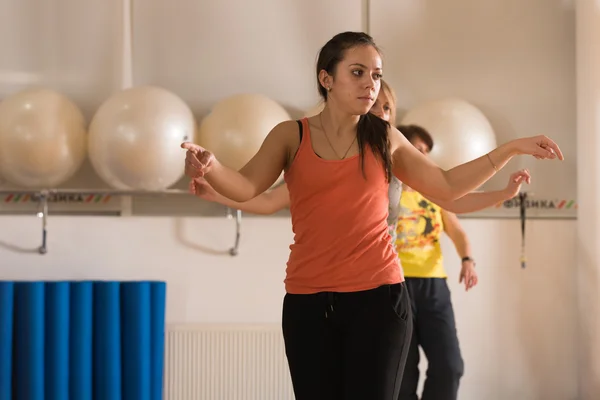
(421, 223)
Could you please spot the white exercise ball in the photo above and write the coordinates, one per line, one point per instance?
(135, 138)
(460, 131)
(42, 138)
(315, 110)
(236, 127)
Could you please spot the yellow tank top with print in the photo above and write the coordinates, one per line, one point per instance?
(418, 233)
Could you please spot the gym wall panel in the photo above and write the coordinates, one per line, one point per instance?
(68, 45)
(207, 50)
(513, 59)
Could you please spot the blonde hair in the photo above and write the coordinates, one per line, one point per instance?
(391, 95)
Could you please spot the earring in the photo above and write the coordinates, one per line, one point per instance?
(329, 89)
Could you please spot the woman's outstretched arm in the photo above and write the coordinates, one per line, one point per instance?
(265, 203)
(476, 201)
(255, 177)
(423, 175)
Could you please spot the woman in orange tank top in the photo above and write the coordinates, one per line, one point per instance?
(437, 316)
(346, 313)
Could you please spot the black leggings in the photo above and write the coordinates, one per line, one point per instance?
(435, 331)
(347, 346)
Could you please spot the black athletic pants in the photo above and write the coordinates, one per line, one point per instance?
(435, 331)
(347, 346)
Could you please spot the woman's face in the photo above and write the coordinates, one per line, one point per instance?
(382, 107)
(357, 80)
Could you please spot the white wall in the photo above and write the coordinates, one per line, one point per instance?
(205, 284)
(517, 328)
(514, 60)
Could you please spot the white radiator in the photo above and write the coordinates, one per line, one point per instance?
(207, 362)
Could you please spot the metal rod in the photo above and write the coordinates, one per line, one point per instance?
(43, 249)
(234, 251)
(511, 217)
(45, 195)
(112, 192)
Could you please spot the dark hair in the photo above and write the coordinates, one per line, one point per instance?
(371, 130)
(412, 131)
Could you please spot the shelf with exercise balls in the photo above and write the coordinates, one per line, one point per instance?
(132, 145)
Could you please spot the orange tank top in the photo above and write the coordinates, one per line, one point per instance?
(341, 239)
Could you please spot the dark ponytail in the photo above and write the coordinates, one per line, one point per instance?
(371, 131)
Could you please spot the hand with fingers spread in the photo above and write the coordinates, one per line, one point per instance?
(198, 160)
(541, 147)
(515, 181)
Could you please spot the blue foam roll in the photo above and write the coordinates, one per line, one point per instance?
(28, 357)
(80, 341)
(135, 308)
(107, 341)
(6, 338)
(157, 345)
(57, 341)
